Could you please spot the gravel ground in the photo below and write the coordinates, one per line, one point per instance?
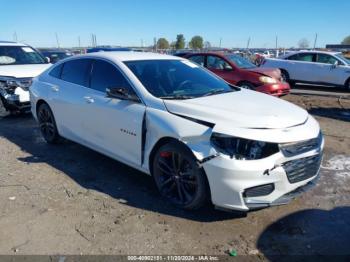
(68, 199)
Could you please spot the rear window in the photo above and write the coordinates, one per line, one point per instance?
(56, 71)
(77, 71)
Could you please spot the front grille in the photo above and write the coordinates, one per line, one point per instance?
(256, 191)
(292, 149)
(301, 169)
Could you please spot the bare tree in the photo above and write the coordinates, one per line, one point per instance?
(303, 43)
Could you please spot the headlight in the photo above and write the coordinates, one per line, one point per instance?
(241, 148)
(267, 80)
(10, 84)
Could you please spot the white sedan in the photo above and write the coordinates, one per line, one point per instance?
(199, 137)
(313, 67)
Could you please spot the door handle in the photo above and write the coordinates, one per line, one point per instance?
(89, 99)
(55, 88)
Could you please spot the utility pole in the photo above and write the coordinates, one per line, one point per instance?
(276, 42)
(15, 39)
(248, 43)
(220, 42)
(79, 42)
(58, 42)
(315, 41)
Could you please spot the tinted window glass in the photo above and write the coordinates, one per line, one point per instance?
(105, 75)
(303, 57)
(56, 71)
(217, 63)
(177, 79)
(198, 59)
(326, 59)
(77, 71)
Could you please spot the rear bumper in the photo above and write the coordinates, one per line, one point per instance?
(279, 89)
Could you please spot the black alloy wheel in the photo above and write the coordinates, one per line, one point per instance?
(47, 124)
(179, 178)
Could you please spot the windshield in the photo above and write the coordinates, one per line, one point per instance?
(177, 79)
(19, 55)
(240, 62)
(343, 58)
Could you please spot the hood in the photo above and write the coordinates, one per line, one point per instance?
(23, 71)
(240, 109)
(271, 72)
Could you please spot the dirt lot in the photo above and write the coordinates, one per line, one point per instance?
(67, 199)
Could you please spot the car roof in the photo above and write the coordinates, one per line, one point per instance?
(9, 43)
(313, 52)
(131, 56)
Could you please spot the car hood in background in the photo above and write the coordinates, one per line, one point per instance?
(271, 72)
(23, 71)
(241, 109)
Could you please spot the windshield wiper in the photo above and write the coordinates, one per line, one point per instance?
(177, 97)
(217, 91)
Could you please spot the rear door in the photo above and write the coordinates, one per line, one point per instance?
(67, 96)
(301, 67)
(112, 125)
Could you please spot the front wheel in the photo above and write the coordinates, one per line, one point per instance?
(3, 110)
(247, 85)
(47, 124)
(179, 178)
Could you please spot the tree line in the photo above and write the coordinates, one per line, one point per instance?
(196, 42)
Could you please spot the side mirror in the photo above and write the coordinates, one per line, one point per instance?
(47, 59)
(227, 68)
(121, 93)
(335, 64)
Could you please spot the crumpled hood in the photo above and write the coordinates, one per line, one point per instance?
(23, 71)
(241, 109)
(271, 72)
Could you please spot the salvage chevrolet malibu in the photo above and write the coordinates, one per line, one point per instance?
(198, 136)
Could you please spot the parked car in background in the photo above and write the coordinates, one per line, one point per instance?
(313, 67)
(19, 63)
(55, 55)
(106, 49)
(198, 136)
(239, 71)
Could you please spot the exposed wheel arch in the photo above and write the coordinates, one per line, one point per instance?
(246, 83)
(160, 143)
(39, 103)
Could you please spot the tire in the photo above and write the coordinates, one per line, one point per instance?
(286, 78)
(47, 124)
(179, 178)
(246, 85)
(347, 85)
(3, 110)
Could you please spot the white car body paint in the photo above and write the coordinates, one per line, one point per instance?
(312, 72)
(244, 114)
(19, 72)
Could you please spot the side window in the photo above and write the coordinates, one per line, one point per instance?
(77, 71)
(105, 75)
(326, 59)
(198, 59)
(304, 57)
(217, 63)
(56, 71)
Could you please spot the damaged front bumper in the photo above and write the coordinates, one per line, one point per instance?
(15, 98)
(275, 180)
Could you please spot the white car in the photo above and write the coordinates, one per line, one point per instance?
(199, 137)
(19, 63)
(313, 67)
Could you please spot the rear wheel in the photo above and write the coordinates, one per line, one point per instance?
(347, 84)
(179, 178)
(47, 124)
(285, 77)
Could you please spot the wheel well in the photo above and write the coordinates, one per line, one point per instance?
(347, 82)
(39, 103)
(161, 142)
(244, 81)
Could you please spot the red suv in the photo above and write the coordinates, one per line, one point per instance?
(240, 72)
